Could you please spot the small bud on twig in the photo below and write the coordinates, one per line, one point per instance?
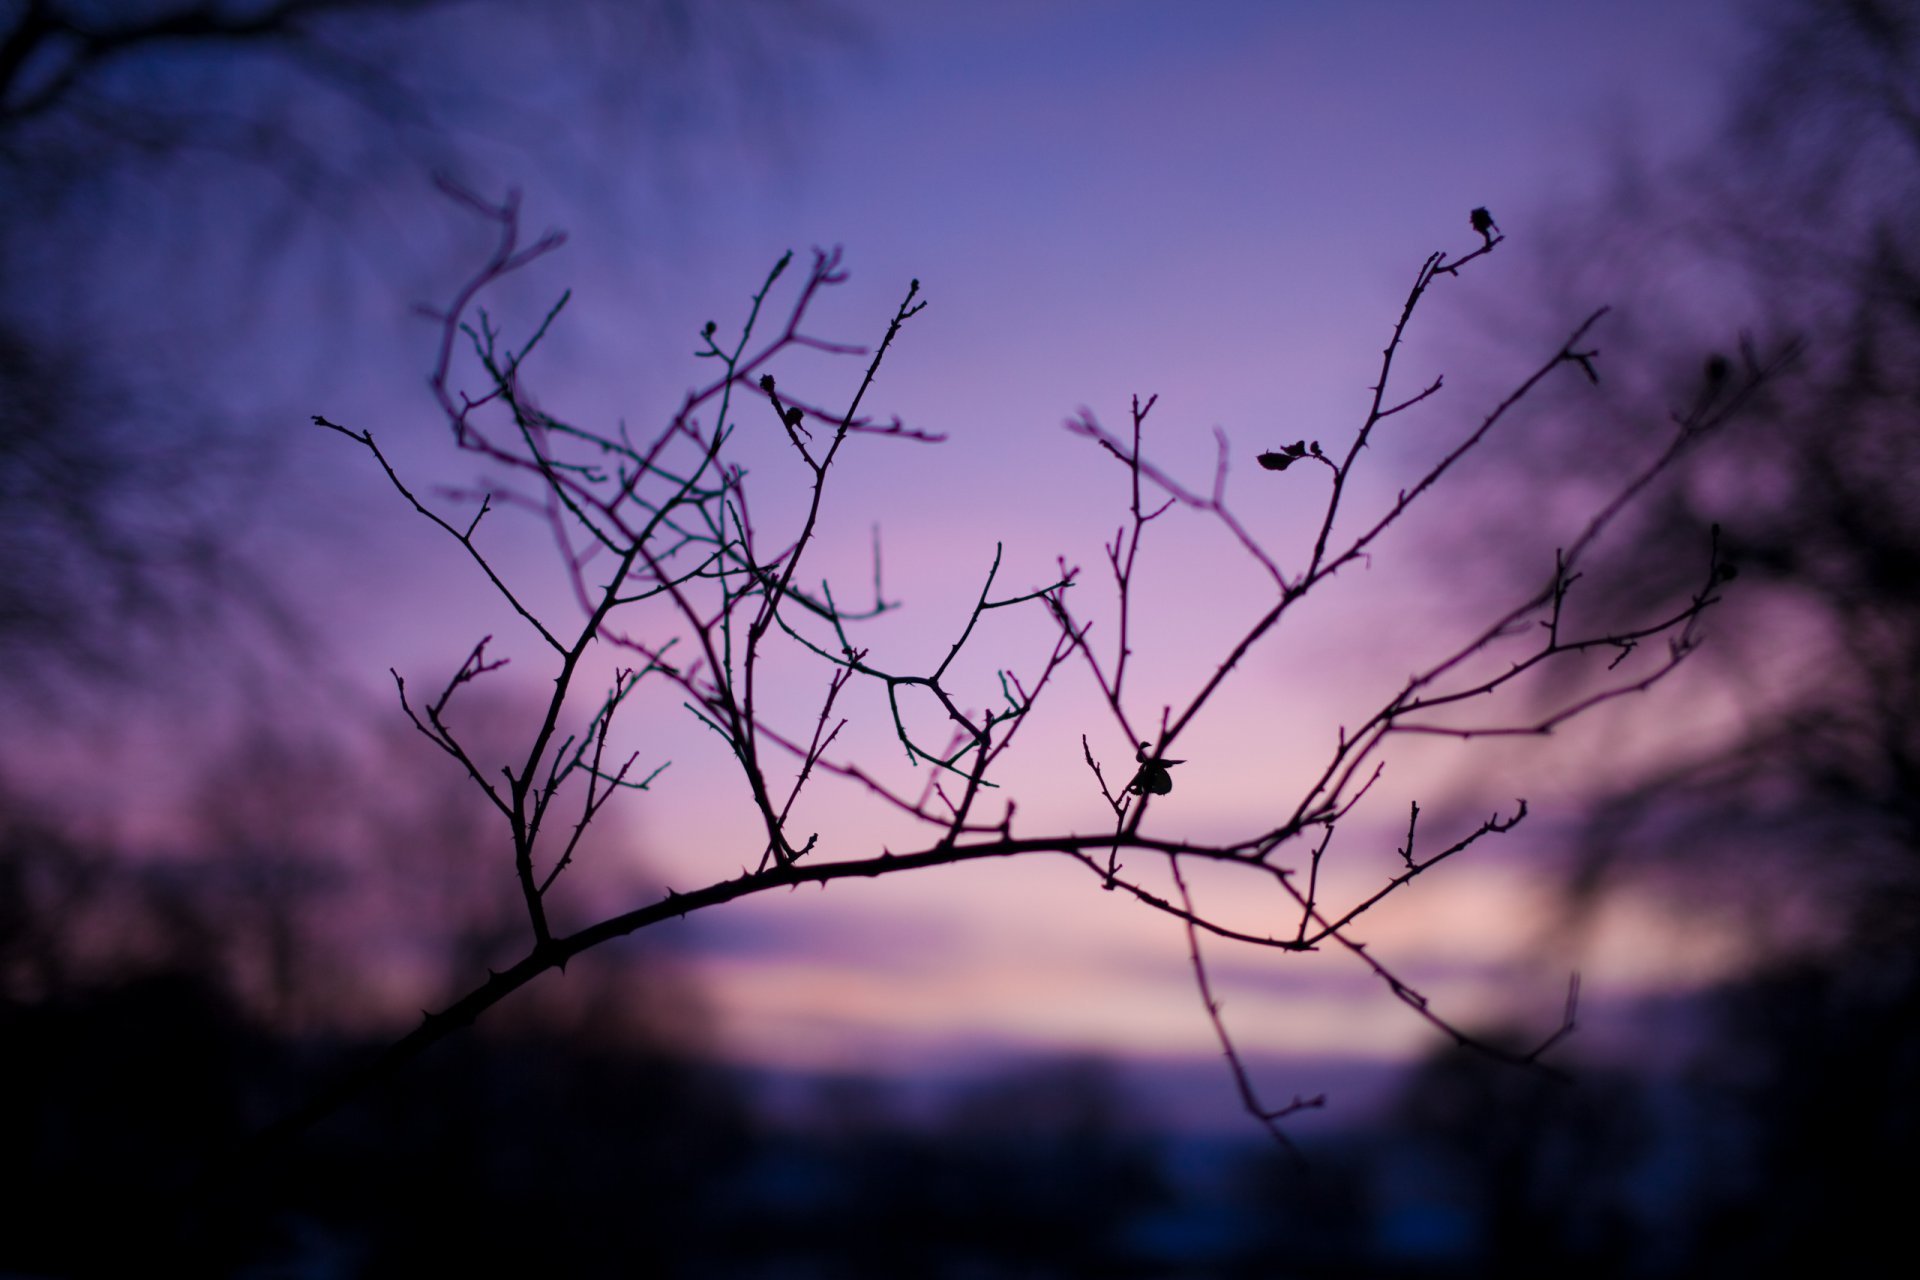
(1483, 223)
(1153, 778)
(1281, 459)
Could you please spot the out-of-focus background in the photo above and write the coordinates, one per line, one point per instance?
(229, 866)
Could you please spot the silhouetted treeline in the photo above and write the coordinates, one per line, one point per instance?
(580, 1139)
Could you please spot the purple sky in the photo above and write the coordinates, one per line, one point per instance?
(1221, 204)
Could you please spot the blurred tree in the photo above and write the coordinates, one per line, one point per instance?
(1786, 1142)
(159, 1004)
(159, 161)
(1046, 1169)
(1805, 812)
(1530, 1176)
(205, 135)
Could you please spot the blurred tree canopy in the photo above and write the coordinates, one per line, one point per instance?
(193, 143)
(157, 158)
(1784, 1138)
(1799, 214)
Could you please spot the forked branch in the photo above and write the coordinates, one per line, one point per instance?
(672, 573)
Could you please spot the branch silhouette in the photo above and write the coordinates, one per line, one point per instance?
(672, 572)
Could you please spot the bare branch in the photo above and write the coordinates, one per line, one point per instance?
(706, 591)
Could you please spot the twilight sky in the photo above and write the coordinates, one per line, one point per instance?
(1222, 204)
